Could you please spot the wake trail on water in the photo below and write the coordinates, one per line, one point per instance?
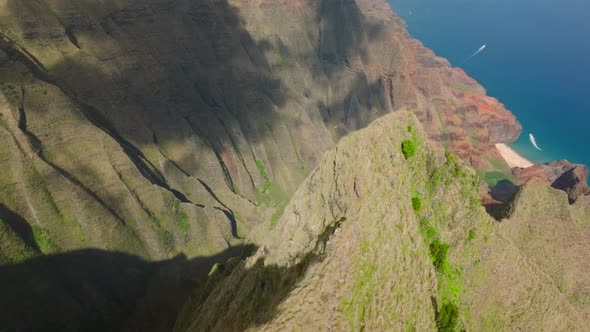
(534, 142)
(479, 50)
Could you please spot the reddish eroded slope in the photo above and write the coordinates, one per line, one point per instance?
(452, 106)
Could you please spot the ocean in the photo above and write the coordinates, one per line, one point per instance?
(536, 62)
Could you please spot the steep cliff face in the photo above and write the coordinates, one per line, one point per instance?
(561, 174)
(380, 239)
(160, 127)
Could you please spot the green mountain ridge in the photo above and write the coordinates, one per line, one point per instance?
(354, 251)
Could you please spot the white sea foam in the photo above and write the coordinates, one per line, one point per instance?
(534, 142)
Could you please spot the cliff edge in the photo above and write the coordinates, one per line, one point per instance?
(381, 239)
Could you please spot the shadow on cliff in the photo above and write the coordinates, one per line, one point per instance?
(156, 76)
(365, 102)
(19, 226)
(344, 37)
(94, 290)
(181, 71)
(238, 297)
(344, 31)
(502, 194)
(190, 69)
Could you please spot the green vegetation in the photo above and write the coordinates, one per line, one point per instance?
(449, 286)
(173, 204)
(454, 165)
(214, 269)
(14, 250)
(427, 230)
(471, 235)
(498, 164)
(270, 195)
(261, 169)
(450, 171)
(409, 148)
(276, 216)
(43, 239)
(182, 220)
(438, 253)
(441, 179)
(416, 203)
(266, 187)
(357, 308)
(447, 317)
(493, 178)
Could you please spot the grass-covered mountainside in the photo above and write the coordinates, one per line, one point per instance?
(163, 127)
(377, 239)
(144, 143)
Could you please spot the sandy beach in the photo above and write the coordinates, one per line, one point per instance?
(512, 158)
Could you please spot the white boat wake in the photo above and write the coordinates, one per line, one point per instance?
(534, 142)
(479, 50)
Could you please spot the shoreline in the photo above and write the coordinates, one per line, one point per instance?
(512, 158)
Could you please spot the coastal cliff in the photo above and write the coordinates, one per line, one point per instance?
(145, 142)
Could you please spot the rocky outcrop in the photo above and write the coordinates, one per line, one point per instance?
(574, 182)
(561, 174)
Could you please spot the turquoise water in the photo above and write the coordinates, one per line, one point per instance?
(537, 62)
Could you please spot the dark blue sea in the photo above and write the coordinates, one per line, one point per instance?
(536, 62)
